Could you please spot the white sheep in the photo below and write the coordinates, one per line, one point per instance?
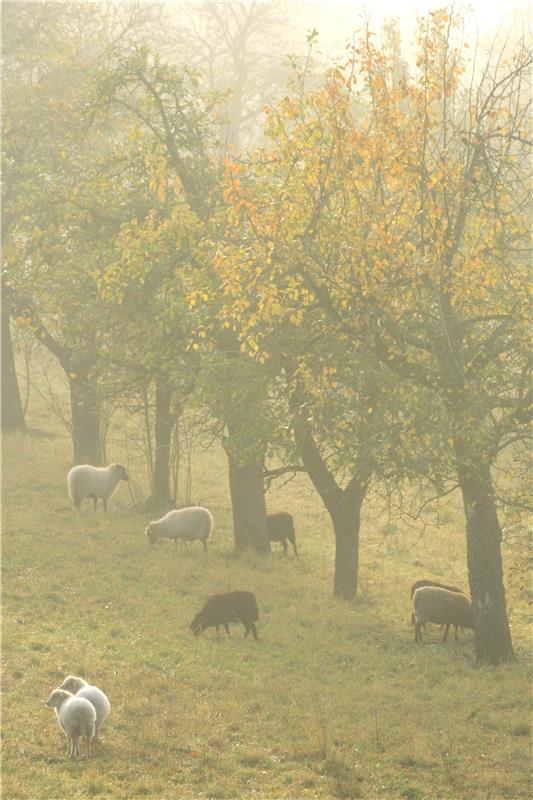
(442, 607)
(80, 688)
(76, 717)
(185, 524)
(87, 481)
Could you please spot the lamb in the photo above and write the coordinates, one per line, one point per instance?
(425, 582)
(221, 609)
(80, 688)
(443, 607)
(185, 524)
(96, 482)
(76, 717)
(280, 528)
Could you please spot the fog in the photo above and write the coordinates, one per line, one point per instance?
(266, 281)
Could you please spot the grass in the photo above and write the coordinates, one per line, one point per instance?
(334, 701)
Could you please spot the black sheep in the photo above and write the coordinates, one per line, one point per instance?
(280, 528)
(221, 609)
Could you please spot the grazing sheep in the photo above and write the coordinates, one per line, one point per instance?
(86, 481)
(441, 606)
(185, 524)
(280, 528)
(76, 717)
(221, 609)
(80, 688)
(426, 582)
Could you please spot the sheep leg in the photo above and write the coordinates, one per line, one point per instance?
(456, 629)
(205, 544)
(284, 543)
(68, 746)
(88, 745)
(418, 632)
(446, 629)
(217, 629)
(73, 743)
(295, 550)
(95, 503)
(253, 629)
(104, 501)
(227, 628)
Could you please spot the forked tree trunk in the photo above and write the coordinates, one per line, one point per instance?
(12, 412)
(248, 505)
(493, 642)
(86, 430)
(343, 506)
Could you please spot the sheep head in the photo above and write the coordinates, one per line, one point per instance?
(121, 471)
(150, 533)
(196, 625)
(73, 684)
(57, 698)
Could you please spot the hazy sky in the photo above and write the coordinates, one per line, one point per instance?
(337, 18)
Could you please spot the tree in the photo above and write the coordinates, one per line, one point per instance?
(163, 251)
(238, 49)
(12, 412)
(402, 208)
(54, 240)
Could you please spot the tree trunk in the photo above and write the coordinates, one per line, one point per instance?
(493, 642)
(86, 433)
(343, 506)
(235, 114)
(346, 518)
(248, 505)
(12, 413)
(160, 499)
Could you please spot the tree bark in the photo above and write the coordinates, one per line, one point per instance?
(12, 412)
(86, 431)
(342, 505)
(492, 634)
(160, 499)
(346, 518)
(248, 505)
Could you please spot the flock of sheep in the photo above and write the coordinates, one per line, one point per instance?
(81, 708)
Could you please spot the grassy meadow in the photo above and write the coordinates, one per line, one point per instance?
(333, 701)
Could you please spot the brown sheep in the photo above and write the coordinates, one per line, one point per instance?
(442, 607)
(426, 582)
(280, 528)
(221, 609)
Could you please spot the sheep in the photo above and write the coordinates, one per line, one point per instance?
(96, 482)
(280, 528)
(185, 524)
(441, 606)
(76, 717)
(80, 688)
(425, 582)
(221, 609)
